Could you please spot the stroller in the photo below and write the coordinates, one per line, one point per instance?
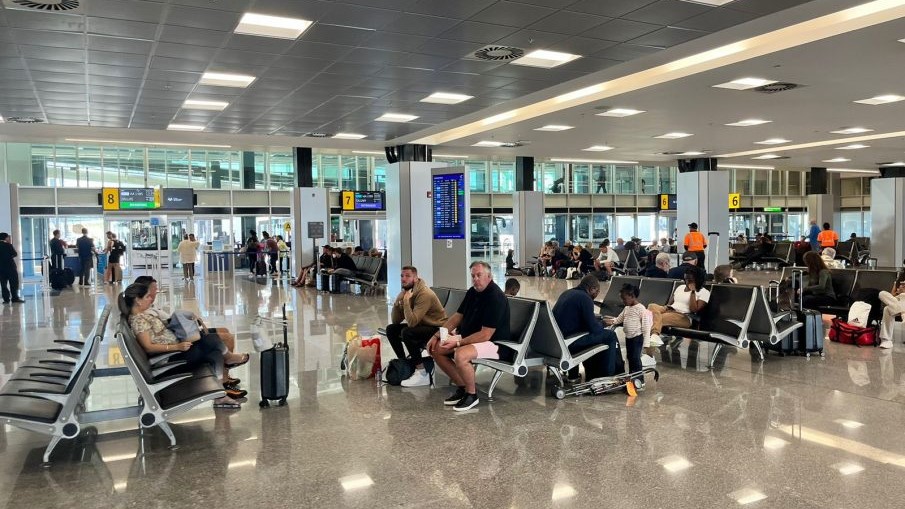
(604, 385)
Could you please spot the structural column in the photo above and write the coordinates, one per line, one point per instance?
(528, 219)
(303, 160)
(524, 174)
(887, 216)
(248, 182)
(703, 198)
(823, 204)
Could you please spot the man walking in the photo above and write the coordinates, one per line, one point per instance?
(9, 273)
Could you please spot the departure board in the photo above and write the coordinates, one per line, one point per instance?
(362, 200)
(132, 199)
(449, 206)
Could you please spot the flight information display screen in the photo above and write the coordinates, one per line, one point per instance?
(363, 200)
(175, 198)
(449, 206)
(131, 199)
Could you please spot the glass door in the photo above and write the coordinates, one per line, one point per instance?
(178, 229)
(122, 228)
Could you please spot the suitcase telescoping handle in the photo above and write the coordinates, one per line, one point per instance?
(285, 328)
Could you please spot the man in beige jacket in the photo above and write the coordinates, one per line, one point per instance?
(423, 314)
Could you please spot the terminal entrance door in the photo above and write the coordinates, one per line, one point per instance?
(122, 228)
(177, 228)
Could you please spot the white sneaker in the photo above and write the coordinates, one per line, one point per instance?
(655, 340)
(886, 343)
(419, 378)
(647, 361)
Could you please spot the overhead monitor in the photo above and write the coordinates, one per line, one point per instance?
(363, 200)
(448, 191)
(177, 198)
(138, 199)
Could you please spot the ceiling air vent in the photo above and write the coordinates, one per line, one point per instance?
(495, 53)
(772, 88)
(46, 5)
(25, 120)
(318, 135)
(513, 144)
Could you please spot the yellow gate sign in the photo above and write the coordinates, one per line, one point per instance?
(735, 200)
(110, 197)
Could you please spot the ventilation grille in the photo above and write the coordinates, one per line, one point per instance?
(47, 5)
(495, 53)
(318, 135)
(513, 144)
(772, 88)
(25, 120)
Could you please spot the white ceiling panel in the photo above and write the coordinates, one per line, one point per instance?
(120, 28)
(119, 45)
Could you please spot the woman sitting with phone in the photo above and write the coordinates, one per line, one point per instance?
(155, 338)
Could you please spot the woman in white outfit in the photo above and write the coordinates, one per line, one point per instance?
(894, 306)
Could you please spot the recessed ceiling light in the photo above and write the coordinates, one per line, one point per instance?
(369, 152)
(185, 127)
(744, 83)
(881, 99)
(349, 136)
(395, 117)
(223, 79)
(598, 148)
(730, 166)
(545, 58)
(152, 143)
(748, 123)
(449, 156)
(693, 153)
(196, 104)
(767, 156)
(446, 98)
(897, 163)
(673, 136)
(773, 141)
(675, 463)
(837, 160)
(589, 161)
(554, 128)
(489, 144)
(620, 112)
(272, 26)
(852, 130)
(850, 170)
(853, 146)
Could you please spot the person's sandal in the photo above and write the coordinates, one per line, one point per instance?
(240, 363)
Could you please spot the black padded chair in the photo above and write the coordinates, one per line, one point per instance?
(724, 320)
(548, 343)
(455, 299)
(612, 303)
(656, 290)
(522, 318)
(768, 327)
(442, 294)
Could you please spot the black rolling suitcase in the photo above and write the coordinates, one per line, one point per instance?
(58, 279)
(275, 369)
(808, 339)
(261, 265)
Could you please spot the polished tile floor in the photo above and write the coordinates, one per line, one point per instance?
(789, 432)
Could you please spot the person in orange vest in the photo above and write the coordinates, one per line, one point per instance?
(695, 242)
(827, 238)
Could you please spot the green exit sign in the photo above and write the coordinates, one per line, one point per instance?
(772, 209)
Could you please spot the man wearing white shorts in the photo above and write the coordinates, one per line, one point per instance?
(483, 317)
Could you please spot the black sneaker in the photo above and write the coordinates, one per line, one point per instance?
(456, 396)
(468, 402)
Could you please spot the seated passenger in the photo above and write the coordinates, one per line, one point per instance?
(512, 287)
(511, 264)
(574, 314)
(724, 274)
(606, 259)
(818, 290)
(545, 259)
(761, 247)
(483, 317)
(660, 267)
(689, 262)
(420, 310)
(582, 259)
(155, 338)
(828, 255)
(343, 264)
(225, 335)
(894, 306)
(687, 300)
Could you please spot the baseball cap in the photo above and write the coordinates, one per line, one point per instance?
(692, 225)
(689, 256)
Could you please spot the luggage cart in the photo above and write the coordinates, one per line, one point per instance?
(602, 385)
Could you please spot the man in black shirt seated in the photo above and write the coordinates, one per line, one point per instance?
(343, 264)
(483, 317)
(660, 267)
(574, 314)
(762, 246)
(689, 261)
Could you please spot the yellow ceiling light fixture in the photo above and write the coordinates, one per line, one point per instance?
(819, 28)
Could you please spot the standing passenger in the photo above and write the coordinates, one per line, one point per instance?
(696, 243)
(57, 251)
(85, 248)
(9, 273)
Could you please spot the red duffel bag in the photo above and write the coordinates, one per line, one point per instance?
(843, 332)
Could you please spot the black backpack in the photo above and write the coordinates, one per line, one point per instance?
(399, 370)
(119, 247)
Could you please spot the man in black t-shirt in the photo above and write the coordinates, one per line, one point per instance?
(57, 251)
(483, 317)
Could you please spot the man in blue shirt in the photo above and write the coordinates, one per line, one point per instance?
(812, 235)
(574, 313)
(84, 246)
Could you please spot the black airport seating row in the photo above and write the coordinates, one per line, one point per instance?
(783, 253)
(48, 395)
(535, 339)
(848, 284)
(166, 387)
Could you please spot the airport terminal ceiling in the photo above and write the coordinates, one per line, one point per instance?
(101, 68)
